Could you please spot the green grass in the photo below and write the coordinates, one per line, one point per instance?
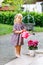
(7, 29)
(38, 29)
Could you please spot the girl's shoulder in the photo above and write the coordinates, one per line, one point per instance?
(17, 24)
(23, 23)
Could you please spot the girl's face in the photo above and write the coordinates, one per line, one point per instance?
(19, 19)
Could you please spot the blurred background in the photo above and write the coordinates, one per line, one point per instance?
(32, 11)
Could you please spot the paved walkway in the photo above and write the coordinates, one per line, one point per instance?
(27, 60)
(7, 51)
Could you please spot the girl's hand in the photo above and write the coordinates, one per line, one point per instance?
(18, 32)
(24, 30)
(21, 31)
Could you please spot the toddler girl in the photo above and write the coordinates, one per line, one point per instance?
(17, 39)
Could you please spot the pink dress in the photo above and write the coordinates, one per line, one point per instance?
(17, 39)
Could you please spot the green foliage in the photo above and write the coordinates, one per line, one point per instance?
(28, 19)
(7, 17)
(30, 1)
(13, 2)
(33, 48)
(16, 3)
(38, 18)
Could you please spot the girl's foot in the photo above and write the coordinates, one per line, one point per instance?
(17, 55)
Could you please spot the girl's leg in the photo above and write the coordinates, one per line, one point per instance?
(17, 50)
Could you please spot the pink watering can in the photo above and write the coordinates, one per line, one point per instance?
(25, 34)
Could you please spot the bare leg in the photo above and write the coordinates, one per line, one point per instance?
(17, 50)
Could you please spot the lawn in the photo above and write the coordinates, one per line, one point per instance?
(6, 29)
(38, 29)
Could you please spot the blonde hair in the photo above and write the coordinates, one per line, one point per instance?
(19, 16)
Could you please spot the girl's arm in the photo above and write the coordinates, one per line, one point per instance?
(24, 30)
(15, 30)
(18, 32)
